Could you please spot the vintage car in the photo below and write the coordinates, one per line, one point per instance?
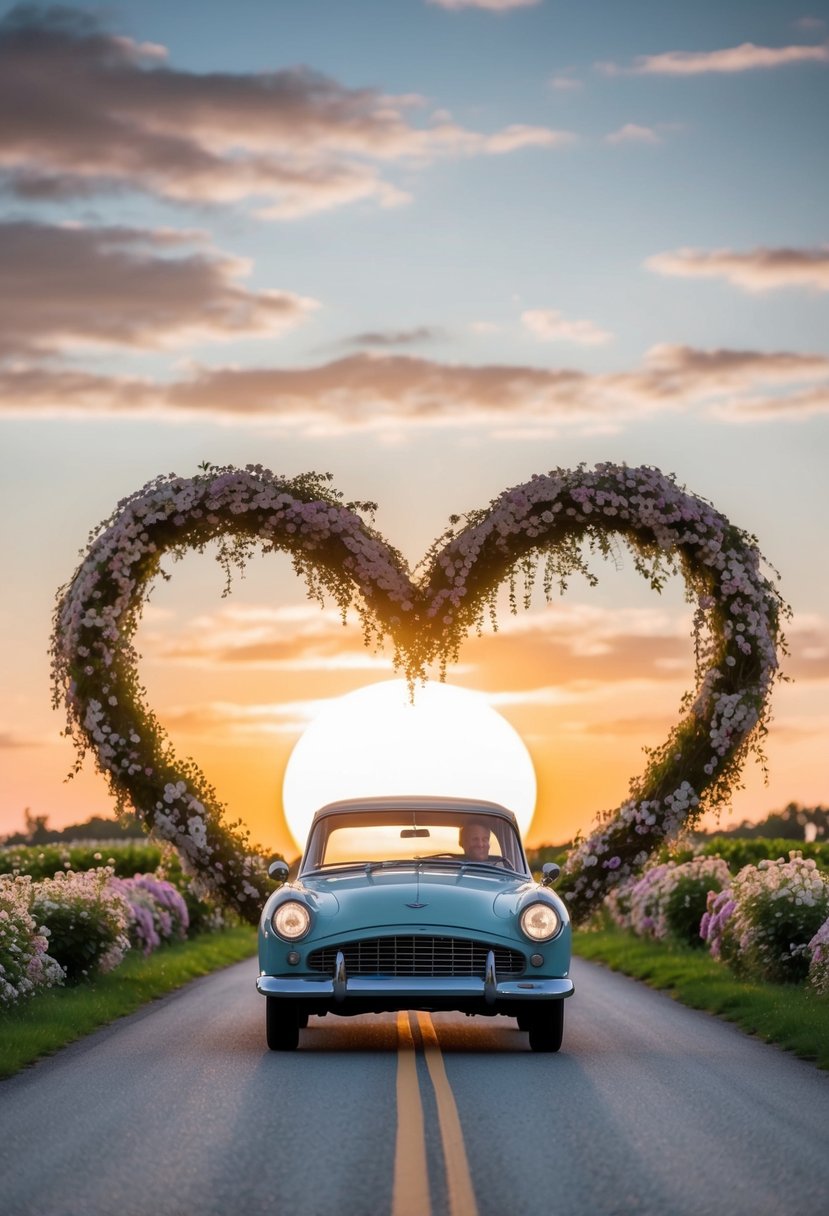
(414, 903)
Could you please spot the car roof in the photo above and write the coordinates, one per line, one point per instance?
(414, 803)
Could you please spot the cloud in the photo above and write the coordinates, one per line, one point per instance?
(631, 133)
(551, 326)
(229, 722)
(66, 285)
(289, 639)
(396, 337)
(10, 741)
(84, 111)
(393, 393)
(760, 269)
(744, 58)
(565, 82)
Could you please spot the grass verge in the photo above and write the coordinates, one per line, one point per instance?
(47, 1022)
(785, 1014)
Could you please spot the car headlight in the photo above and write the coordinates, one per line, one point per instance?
(291, 920)
(540, 922)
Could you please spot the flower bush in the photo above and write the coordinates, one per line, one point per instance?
(543, 524)
(669, 900)
(764, 923)
(25, 964)
(158, 913)
(87, 920)
(819, 961)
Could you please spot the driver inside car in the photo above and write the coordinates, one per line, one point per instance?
(474, 840)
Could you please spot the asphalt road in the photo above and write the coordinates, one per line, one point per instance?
(180, 1110)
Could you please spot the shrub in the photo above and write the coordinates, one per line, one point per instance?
(42, 861)
(86, 919)
(25, 965)
(819, 961)
(738, 852)
(762, 927)
(157, 910)
(668, 900)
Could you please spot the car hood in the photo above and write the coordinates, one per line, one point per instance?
(430, 896)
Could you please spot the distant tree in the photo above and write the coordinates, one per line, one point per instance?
(794, 822)
(37, 831)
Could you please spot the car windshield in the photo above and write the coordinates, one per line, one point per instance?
(451, 838)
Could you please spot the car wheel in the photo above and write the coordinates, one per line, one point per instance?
(281, 1024)
(302, 1020)
(524, 1021)
(546, 1027)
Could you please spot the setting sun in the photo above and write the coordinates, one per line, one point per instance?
(376, 741)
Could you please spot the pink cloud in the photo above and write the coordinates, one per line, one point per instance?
(548, 325)
(66, 285)
(383, 392)
(744, 58)
(84, 111)
(760, 269)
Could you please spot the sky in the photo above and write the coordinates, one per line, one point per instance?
(432, 247)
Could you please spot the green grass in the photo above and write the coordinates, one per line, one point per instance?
(785, 1014)
(47, 1022)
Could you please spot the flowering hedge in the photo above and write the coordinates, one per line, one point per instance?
(819, 960)
(157, 911)
(764, 923)
(669, 900)
(72, 926)
(86, 919)
(25, 965)
(543, 525)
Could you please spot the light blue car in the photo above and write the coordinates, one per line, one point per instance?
(414, 903)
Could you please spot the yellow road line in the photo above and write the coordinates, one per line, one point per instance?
(458, 1179)
(410, 1195)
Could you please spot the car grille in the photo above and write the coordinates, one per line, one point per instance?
(433, 956)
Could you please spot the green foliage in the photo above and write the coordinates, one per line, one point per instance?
(737, 853)
(789, 824)
(126, 857)
(685, 906)
(86, 922)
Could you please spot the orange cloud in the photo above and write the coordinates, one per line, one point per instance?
(291, 639)
(757, 270)
(397, 392)
(744, 58)
(126, 286)
(87, 111)
(548, 325)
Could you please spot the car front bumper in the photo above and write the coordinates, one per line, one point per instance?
(344, 994)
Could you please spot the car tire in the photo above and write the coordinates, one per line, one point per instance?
(546, 1027)
(281, 1025)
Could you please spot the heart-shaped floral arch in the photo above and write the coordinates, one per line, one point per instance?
(545, 524)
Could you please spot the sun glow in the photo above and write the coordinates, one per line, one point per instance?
(375, 741)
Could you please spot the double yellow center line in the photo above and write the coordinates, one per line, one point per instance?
(411, 1176)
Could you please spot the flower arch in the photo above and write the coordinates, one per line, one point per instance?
(543, 526)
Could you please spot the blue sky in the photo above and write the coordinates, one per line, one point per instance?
(432, 249)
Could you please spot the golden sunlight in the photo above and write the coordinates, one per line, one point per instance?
(375, 741)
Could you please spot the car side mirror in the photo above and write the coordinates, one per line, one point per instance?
(550, 872)
(278, 870)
